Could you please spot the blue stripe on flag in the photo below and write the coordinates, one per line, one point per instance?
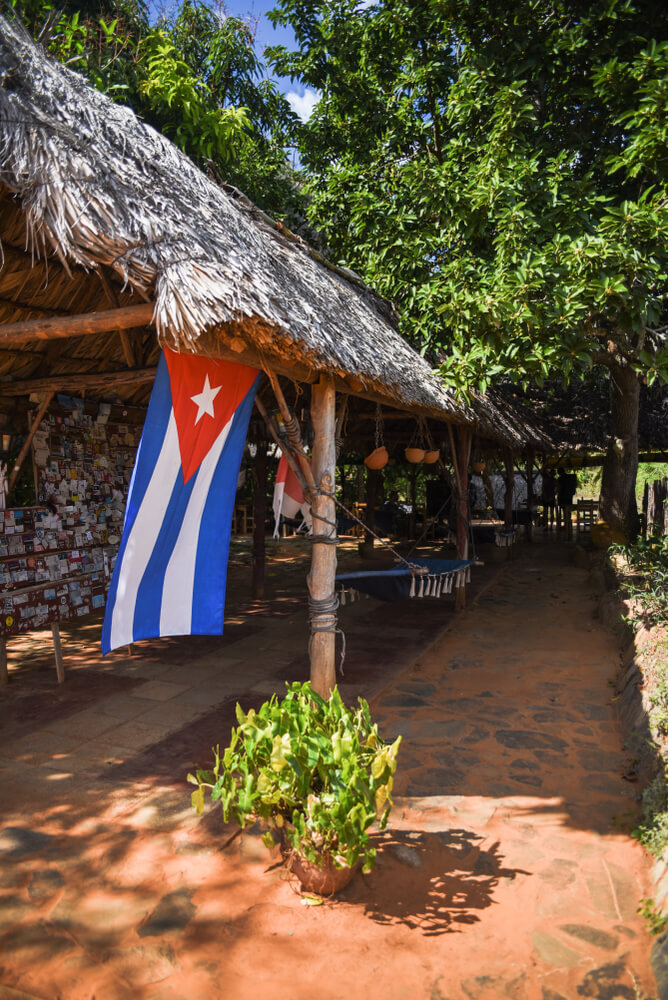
(216, 529)
(153, 435)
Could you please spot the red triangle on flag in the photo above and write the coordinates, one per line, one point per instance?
(205, 395)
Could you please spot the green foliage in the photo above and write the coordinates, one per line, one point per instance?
(652, 831)
(314, 770)
(647, 583)
(498, 169)
(657, 924)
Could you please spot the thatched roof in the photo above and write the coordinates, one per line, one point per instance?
(100, 190)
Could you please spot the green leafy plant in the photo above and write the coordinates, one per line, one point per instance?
(657, 923)
(647, 583)
(315, 772)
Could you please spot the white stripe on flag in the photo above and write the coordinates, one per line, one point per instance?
(144, 535)
(179, 582)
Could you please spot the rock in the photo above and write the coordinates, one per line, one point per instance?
(407, 855)
(659, 962)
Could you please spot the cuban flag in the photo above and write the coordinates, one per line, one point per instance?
(171, 569)
(288, 497)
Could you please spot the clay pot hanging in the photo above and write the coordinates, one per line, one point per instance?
(478, 466)
(414, 455)
(377, 459)
(432, 456)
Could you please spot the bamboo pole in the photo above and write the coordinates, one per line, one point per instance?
(14, 474)
(321, 578)
(58, 652)
(59, 327)
(293, 431)
(530, 461)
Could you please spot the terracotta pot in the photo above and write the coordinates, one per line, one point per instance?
(432, 456)
(414, 455)
(377, 459)
(325, 879)
(478, 466)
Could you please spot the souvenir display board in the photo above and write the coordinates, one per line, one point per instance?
(56, 559)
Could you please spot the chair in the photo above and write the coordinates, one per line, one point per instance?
(586, 512)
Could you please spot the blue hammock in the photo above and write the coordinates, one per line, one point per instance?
(400, 583)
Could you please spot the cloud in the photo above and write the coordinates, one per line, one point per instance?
(303, 104)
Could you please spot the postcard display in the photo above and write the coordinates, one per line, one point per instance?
(56, 559)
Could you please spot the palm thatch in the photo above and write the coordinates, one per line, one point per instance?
(97, 208)
(99, 187)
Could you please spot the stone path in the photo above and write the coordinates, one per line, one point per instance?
(507, 870)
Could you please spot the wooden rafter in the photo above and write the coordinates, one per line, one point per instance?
(60, 327)
(76, 381)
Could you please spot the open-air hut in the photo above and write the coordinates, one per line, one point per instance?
(114, 243)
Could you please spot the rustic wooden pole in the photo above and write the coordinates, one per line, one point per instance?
(58, 327)
(510, 486)
(14, 474)
(58, 652)
(413, 500)
(79, 381)
(293, 432)
(321, 582)
(370, 495)
(289, 457)
(259, 517)
(530, 458)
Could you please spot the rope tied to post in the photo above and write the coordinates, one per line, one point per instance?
(322, 616)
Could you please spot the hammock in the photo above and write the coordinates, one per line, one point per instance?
(437, 578)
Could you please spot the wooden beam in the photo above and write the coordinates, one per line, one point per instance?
(321, 578)
(76, 381)
(20, 459)
(59, 327)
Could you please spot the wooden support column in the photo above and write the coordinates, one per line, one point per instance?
(510, 487)
(259, 518)
(530, 460)
(58, 652)
(413, 501)
(18, 465)
(321, 583)
(373, 478)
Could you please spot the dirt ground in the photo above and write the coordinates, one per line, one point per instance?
(507, 869)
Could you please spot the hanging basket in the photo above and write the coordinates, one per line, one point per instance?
(432, 456)
(414, 455)
(377, 459)
(479, 466)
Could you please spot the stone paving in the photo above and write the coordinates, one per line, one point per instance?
(507, 870)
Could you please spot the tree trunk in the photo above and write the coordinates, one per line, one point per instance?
(617, 504)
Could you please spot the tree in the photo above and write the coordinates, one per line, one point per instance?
(500, 170)
(194, 75)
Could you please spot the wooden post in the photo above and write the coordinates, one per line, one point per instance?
(4, 673)
(58, 652)
(259, 517)
(371, 492)
(321, 583)
(510, 486)
(530, 494)
(413, 501)
(18, 464)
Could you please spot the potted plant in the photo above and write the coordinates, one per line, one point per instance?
(315, 773)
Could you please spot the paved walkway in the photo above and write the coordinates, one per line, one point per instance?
(506, 872)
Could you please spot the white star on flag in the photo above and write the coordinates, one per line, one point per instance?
(204, 400)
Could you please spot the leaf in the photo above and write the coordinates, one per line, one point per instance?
(197, 799)
(311, 900)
